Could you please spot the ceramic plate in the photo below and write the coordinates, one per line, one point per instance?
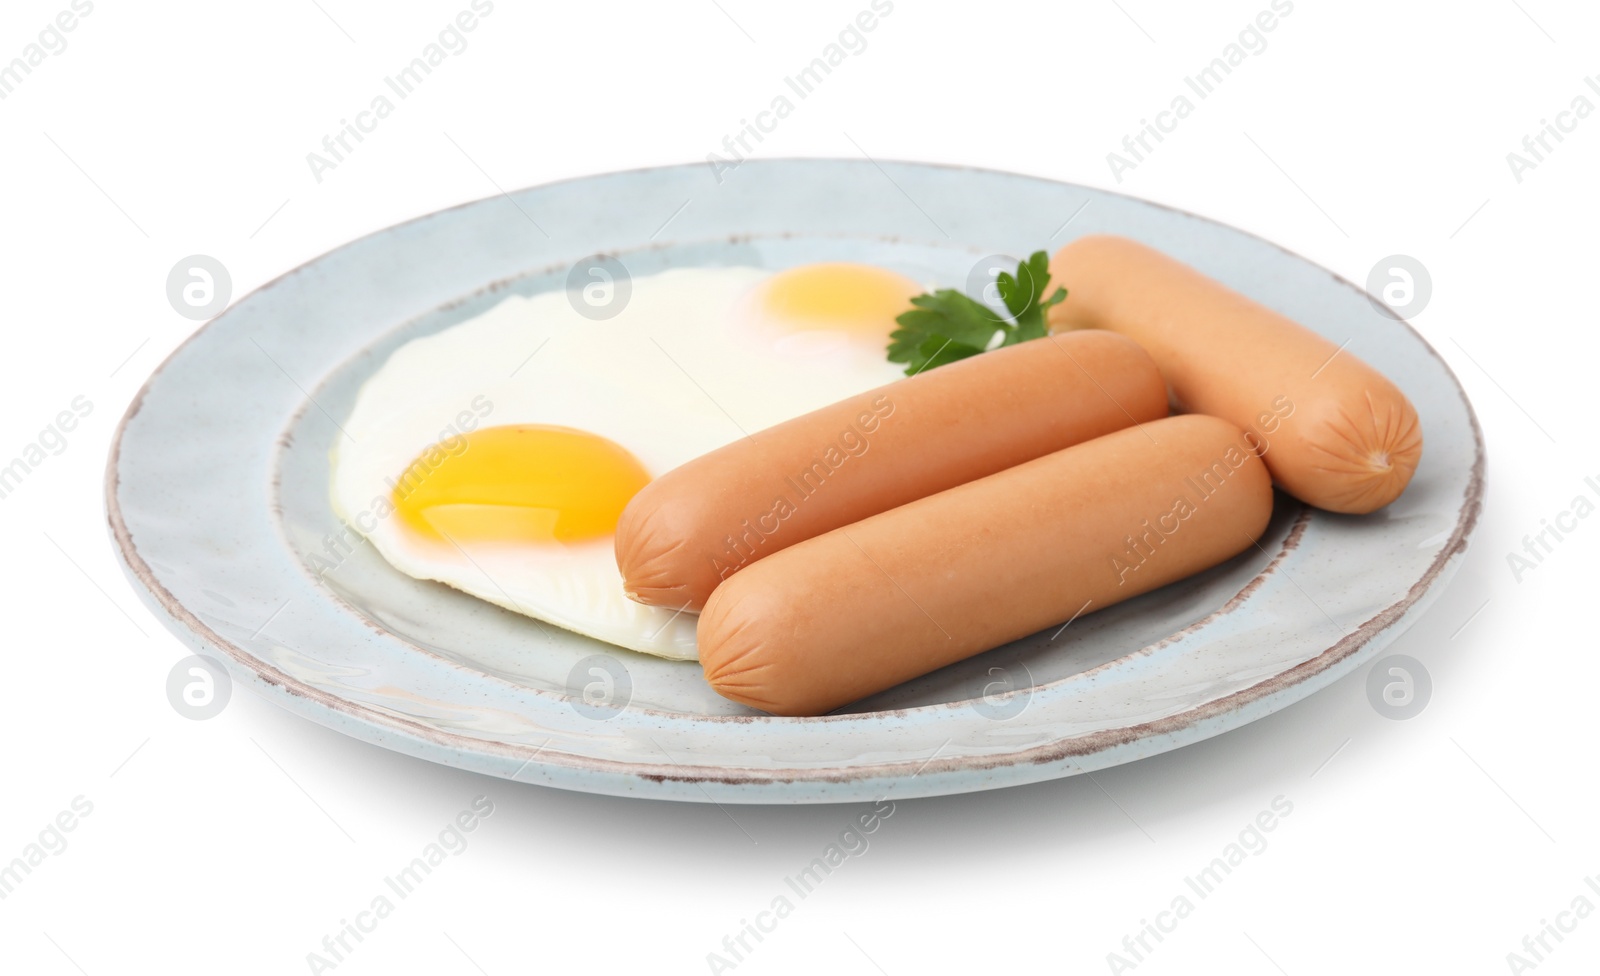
(218, 507)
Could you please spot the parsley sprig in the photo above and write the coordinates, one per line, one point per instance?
(948, 325)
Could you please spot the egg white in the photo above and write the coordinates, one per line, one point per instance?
(686, 367)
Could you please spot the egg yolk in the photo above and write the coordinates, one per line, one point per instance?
(840, 296)
(527, 483)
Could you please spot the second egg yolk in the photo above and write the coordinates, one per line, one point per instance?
(842, 296)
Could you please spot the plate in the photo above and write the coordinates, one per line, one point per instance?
(218, 508)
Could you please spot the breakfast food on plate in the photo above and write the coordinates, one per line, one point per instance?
(1334, 432)
(695, 526)
(724, 468)
(866, 606)
(496, 455)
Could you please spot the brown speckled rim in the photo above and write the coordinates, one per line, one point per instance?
(1054, 752)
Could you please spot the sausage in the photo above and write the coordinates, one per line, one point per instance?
(1334, 431)
(867, 606)
(699, 523)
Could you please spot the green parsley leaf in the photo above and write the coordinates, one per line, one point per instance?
(943, 327)
(1021, 297)
(948, 325)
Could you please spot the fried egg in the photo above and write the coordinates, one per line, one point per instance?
(496, 456)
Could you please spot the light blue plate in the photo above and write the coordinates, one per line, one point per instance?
(217, 499)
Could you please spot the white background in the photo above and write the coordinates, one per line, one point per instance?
(1365, 128)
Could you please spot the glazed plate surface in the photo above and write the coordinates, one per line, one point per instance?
(218, 506)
